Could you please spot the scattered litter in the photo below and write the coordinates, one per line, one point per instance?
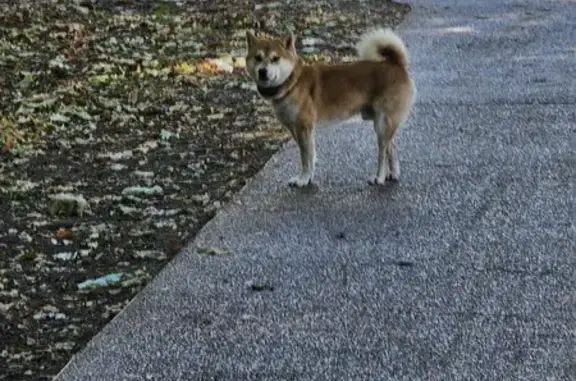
(117, 167)
(147, 146)
(311, 41)
(59, 118)
(50, 312)
(25, 237)
(92, 244)
(213, 251)
(137, 278)
(135, 281)
(49, 315)
(64, 256)
(116, 155)
(269, 5)
(64, 346)
(143, 174)
(166, 135)
(22, 186)
(165, 224)
(67, 204)
(99, 282)
(82, 114)
(172, 212)
(223, 64)
(4, 307)
(200, 198)
(179, 106)
(128, 210)
(216, 116)
(258, 287)
(150, 254)
(148, 191)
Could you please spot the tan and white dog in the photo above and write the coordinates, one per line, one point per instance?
(377, 86)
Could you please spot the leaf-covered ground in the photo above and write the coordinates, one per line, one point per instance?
(124, 126)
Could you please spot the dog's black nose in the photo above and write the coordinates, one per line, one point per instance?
(262, 74)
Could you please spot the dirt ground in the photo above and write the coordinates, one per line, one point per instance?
(124, 127)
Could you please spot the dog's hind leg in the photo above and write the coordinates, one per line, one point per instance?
(393, 163)
(380, 127)
(385, 126)
(393, 121)
(395, 117)
(392, 114)
(305, 138)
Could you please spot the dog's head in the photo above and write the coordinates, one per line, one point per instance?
(270, 62)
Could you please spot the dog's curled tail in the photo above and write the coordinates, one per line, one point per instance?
(383, 44)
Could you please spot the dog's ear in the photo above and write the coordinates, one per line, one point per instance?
(290, 42)
(250, 39)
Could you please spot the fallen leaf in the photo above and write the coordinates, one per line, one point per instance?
(64, 234)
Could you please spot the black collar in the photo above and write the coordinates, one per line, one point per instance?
(269, 92)
(272, 92)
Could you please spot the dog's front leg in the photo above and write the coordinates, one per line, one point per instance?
(304, 136)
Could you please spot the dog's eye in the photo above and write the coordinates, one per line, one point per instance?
(258, 58)
(275, 59)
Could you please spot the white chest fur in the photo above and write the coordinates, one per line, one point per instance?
(288, 112)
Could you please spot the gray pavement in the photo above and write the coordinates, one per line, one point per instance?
(465, 270)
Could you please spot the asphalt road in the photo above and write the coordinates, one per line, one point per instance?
(464, 270)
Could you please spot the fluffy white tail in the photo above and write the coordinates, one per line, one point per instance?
(383, 44)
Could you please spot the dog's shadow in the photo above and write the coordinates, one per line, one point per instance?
(389, 188)
(311, 188)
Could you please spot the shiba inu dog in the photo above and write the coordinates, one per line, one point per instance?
(378, 87)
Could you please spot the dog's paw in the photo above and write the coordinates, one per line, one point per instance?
(392, 177)
(300, 181)
(377, 181)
